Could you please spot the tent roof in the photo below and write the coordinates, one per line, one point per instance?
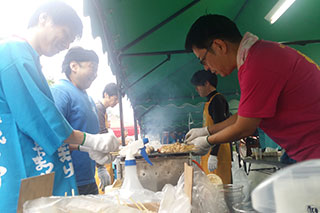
(151, 64)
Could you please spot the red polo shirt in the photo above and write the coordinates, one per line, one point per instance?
(282, 86)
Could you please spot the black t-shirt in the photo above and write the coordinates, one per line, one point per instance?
(218, 107)
(219, 111)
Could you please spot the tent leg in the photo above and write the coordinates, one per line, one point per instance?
(135, 125)
(123, 142)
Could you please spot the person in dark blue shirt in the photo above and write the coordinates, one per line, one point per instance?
(80, 67)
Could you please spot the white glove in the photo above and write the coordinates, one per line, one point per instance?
(202, 146)
(102, 142)
(98, 157)
(196, 132)
(104, 177)
(212, 163)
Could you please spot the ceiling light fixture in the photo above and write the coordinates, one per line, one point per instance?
(278, 9)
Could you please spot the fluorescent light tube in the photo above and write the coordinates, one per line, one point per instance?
(278, 9)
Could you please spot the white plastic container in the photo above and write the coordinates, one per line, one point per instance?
(131, 184)
(294, 189)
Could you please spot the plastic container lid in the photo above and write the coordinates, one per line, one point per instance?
(295, 188)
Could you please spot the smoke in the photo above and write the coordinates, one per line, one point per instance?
(170, 118)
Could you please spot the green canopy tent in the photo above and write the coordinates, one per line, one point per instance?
(145, 44)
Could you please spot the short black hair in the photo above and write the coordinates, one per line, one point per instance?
(200, 77)
(62, 14)
(111, 89)
(209, 27)
(78, 54)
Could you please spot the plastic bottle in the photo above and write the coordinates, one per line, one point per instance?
(131, 182)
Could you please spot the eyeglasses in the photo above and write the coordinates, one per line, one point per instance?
(203, 60)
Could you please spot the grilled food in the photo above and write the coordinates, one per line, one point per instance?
(176, 148)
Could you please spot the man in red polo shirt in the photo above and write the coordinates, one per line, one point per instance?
(280, 88)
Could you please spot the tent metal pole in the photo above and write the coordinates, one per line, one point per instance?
(148, 110)
(302, 43)
(158, 26)
(121, 110)
(153, 69)
(170, 52)
(135, 125)
(240, 11)
(225, 93)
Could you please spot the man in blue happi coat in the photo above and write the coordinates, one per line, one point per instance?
(34, 135)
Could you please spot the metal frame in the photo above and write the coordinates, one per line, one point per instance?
(135, 123)
(148, 110)
(240, 11)
(158, 26)
(301, 43)
(194, 97)
(123, 141)
(149, 72)
(170, 52)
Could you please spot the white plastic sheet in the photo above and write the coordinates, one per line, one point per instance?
(76, 204)
(206, 197)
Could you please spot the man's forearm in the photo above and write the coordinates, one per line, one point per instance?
(243, 127)
(230, 133)
(220, 126)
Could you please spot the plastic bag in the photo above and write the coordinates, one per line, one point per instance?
(206, 197)
(75, 204)
(173, 200)
(142, 195)
(240, 177)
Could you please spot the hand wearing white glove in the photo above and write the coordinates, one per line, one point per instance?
(202, 146)
(104, 177)
(101, 142)
(98, 157)
(196, 132)
(212, 163)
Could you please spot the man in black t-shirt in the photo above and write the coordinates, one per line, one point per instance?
(216, 109)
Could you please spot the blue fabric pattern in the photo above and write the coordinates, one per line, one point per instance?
(32, 129)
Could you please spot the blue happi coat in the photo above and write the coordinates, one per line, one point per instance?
(32, 130)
